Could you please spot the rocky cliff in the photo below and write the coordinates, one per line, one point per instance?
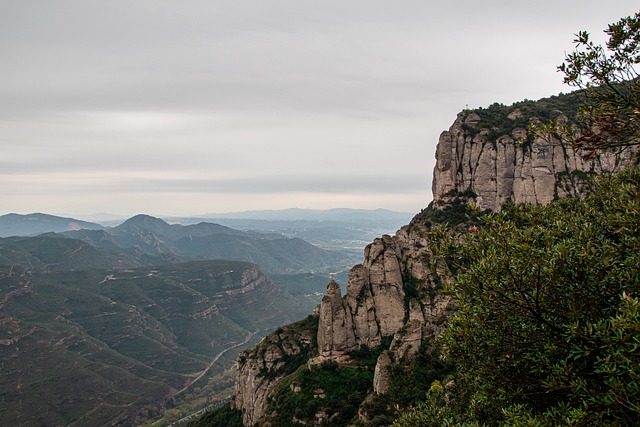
(390, 298)
(392, 301)
(512, 162)
(277, 355)
(397, 282)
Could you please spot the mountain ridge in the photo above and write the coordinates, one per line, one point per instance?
(393, 305)
(13, 224)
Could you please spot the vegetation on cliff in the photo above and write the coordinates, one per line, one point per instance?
(547, 330)
(499, 119)
(328, 391)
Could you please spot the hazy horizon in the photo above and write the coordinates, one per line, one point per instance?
(225, 106)
(254, 213)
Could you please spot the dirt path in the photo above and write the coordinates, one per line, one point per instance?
(214, 360)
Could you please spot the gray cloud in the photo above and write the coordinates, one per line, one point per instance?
(207, 98)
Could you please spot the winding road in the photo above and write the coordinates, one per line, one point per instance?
(214, 360)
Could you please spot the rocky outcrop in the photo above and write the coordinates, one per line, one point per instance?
(259, 369)
(392, 298)
(405, 346)
(382, 373)
(516, 165)
(376, 304)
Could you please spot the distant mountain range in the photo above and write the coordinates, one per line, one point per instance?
(291, 214)
(297, 214)
(145, 240)
(104, 325)
(37, 223)
(98, 324)
(334, 229)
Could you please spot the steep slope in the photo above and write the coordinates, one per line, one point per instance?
(95, 347)
(391, 301)
(392, 306)
(491, 153)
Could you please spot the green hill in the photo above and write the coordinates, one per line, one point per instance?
(37, 223)
(95, 347)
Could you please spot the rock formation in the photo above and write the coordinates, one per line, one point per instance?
(274, 357)
(376, 304)
(514, 166)
(392, 298)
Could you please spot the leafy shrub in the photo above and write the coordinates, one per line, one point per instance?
(337, 390)
(225, 416)
(459, 209)
(548, 330)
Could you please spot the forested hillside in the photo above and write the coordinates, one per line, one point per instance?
(95, 347)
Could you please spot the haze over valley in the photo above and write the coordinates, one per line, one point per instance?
(170, 304)
(282, 213)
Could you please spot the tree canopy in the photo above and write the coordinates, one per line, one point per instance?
(608, 75)
(548, 327)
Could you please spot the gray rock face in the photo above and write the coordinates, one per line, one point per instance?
(393, 293)
(336, 332)
(404, 347)
(382, 373)
(376, 305)
(372, 308)
(509, 169)
(260, 369)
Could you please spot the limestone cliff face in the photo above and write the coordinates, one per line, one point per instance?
(376, 304)
(259, 369)
(515, 166)
(391, 295)
(392, 298)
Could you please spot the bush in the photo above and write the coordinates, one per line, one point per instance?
(548, 329)
(225, 416)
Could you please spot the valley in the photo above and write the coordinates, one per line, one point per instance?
(142, 321)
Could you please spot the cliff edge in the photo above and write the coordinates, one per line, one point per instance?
(393, 308)
(497, 154)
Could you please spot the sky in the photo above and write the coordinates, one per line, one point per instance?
(197, 106)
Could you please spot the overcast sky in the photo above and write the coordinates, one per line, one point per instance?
(188, 107)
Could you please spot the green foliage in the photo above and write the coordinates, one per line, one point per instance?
(495, 117)
(365, 356)
(409, 384)
(460, 209)
(225, 416)
(610, 116)
(290, 362)
(608, 351)
(434, 410)
(548, 327)
(336, 390)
